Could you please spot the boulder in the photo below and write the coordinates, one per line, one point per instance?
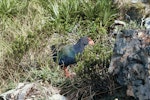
(33, 91)
(130, 63)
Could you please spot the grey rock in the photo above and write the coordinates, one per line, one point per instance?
(147, 23)
(130, 63)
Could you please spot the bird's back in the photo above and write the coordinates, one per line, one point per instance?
(67, 55)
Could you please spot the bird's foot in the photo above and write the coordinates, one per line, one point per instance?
(70, 75)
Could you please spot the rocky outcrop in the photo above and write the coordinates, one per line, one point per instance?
(33, 91)
(130, 63)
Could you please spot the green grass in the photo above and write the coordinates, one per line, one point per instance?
(29, 27)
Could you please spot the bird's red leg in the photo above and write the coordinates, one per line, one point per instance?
(67, 74)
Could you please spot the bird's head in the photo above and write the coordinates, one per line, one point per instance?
(90, 41)
(86, 40)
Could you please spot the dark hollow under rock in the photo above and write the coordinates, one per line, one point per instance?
(130, 63)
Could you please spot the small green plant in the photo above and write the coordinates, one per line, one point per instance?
(11, 8)
(8, 7)
(67, 12)
(54, 76)
(100, 10)
(21, 45)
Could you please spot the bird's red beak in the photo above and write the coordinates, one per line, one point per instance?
(91, 42)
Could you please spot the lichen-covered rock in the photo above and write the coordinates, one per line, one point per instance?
(33, 91)
(147, 23)
(130, 63)
(58, 97)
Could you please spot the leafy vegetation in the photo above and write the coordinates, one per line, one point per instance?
(29, 27)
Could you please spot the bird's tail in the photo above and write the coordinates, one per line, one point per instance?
(54, 52)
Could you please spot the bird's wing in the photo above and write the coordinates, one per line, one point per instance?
(67, 51)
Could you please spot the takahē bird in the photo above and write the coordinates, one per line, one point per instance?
(67, 55)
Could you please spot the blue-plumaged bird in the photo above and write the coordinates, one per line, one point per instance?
(67, 55)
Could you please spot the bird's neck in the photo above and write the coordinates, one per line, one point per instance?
(79, 47)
